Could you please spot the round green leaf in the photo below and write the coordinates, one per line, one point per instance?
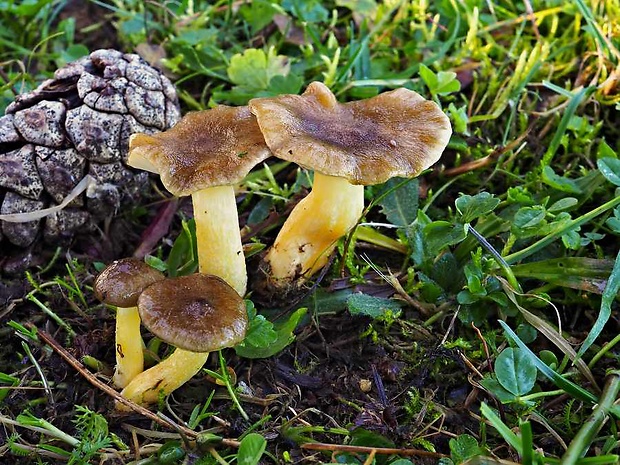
(251, 449)
(515, 371)
(610, 168)
(464, 447)
(472, 207)
(563, 204)
(549, 358)
(528, 217)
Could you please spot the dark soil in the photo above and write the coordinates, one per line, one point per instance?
(318, 381)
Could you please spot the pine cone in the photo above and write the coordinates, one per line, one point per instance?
(74, 125)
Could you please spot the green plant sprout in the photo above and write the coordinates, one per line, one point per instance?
(94, 437)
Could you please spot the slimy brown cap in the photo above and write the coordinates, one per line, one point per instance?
(198, 312)
(396, 133)
(122, 281)
(205, 149)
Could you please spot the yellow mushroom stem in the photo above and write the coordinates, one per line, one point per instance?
(220, 252)
(129, 354)
(309, 235)
(164, 377)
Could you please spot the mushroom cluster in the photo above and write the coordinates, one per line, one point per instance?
(349, 145)
(197, 314)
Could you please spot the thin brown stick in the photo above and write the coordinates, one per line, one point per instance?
(368, 450)
(472, 165)
(75, 363)
(92, 379)
(395, 283)
(484, 345)
(532, 17)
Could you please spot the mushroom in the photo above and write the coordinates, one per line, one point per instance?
(396, 133)
(204, 155)
(120, 284)
(197, 313)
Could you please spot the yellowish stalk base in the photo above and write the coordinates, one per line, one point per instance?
(129, 354)
(309, 235)
(164, 377)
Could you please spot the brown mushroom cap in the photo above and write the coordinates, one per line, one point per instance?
(205, 149)
(396, 133)
(122, 281)
(198, 312)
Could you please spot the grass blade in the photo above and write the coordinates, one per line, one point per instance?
(497, 423)
(545, 241)
(611, 290)
(583, 273)
(586, 434)
(527, 443)
(574, 103)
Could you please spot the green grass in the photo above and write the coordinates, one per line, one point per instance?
(488, 330)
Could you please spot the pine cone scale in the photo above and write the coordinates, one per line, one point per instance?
(42, 124)
(19, 173)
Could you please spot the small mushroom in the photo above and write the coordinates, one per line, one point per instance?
(120, 284)
(204, 155)
(198, 314)
(397, 133)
